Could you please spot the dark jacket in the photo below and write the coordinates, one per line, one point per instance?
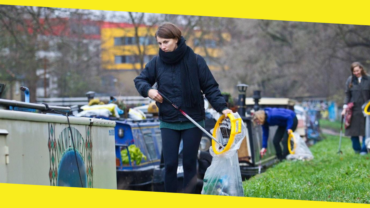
(168, 78)
(359, 93)
(277, 117)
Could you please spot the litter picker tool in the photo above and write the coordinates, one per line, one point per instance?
(188, 117)
(340, 138)
(290, 136)
(260, 164)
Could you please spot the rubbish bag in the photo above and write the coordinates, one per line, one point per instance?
(301, 151)
(136, 114)
(115, 111)
(223, 176)
(95, 112)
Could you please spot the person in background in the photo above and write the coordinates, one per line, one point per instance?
(357, 90)
(287, 122)
(183, 77)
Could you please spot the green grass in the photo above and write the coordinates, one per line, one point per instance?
(326, 124)
(328, 177)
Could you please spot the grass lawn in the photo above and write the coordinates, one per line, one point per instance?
(328, 177)
(326, 124)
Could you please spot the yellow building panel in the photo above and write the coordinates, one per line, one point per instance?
(131, 50)
(108, 34)
(213, 52)
(137, 67)
(109, 50)
(122, 66)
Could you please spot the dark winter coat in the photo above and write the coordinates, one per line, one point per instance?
(359, 93)
(169, 79)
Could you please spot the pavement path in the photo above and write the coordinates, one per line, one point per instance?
(329, 131)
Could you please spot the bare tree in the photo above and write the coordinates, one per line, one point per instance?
(78, 66)
(51, 42)
(293, 59)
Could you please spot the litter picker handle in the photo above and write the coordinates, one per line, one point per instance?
(341, 123)
(165, 98)
(188, 117)
(168, 100)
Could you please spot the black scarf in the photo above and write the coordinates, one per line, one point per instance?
(355, 79)
(189, 71)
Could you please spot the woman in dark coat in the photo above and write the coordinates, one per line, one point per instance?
(183, 77)
(358, 92)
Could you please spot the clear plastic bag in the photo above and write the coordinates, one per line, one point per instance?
(302, 152)
(223, 177)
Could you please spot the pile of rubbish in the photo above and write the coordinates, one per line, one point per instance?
(300, 151)
(100, 109)
(97, 108)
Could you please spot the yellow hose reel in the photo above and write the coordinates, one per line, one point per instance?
(233, 132)
(366, 107)
(295, 144)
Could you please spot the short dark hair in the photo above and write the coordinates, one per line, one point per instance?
(168, 30)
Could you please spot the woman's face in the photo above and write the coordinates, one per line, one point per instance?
(357, 71)
(257, 121)
(167, 44)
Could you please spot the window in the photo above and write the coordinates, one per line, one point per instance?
(131, 59)
(124, 59)
(118, 59)
(118, 41)
(147, 40)
(91, 29)
(130, 40)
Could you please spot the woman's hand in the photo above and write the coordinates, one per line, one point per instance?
(154, 95)
(227, 111)
(343, 112)
(263, 152)
(290, 131)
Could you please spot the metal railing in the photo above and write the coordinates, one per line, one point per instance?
(128, 100)
(41, 107)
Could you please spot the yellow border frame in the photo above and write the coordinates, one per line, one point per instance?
(324, 12)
